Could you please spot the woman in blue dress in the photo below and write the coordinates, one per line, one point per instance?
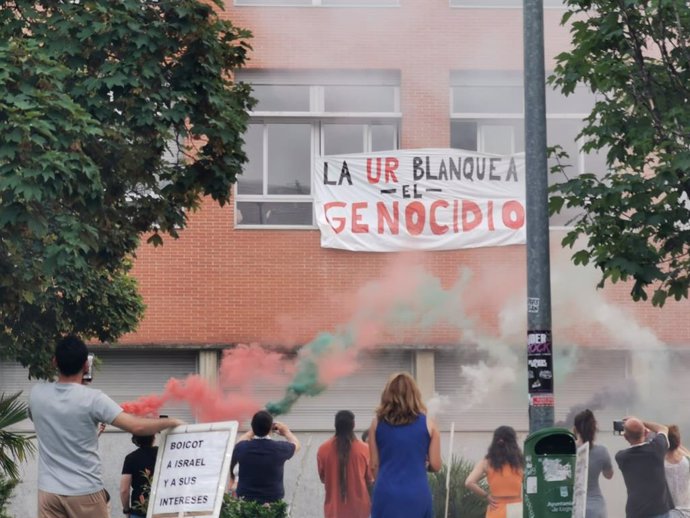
(403, 446)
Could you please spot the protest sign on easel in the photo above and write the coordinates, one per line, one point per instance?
(192, 471)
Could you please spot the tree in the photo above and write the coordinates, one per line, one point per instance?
(116, 119)
(635, 56)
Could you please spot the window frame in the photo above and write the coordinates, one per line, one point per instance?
(478, 4)
(316, 4)
(508, 78)
(317, 117)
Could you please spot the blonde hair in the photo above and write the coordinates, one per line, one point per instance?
(401, 400)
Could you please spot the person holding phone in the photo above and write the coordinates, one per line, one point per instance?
(66, 414)
(642, 467)
(261, 459)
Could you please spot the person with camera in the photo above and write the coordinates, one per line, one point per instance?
(66, 414)
(642, 467)
(261, 460)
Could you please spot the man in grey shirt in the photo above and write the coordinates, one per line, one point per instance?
(66, 415)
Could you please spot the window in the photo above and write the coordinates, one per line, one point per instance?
(500, 3)
(320, 3)
(487, 116)
(298, 117)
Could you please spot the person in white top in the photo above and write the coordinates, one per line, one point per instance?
(677, 468)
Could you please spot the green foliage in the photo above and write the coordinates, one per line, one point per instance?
(117, 118)
(14, 447)
(238, 508)
(230, 508)
(7, 485)
(636, 216)
(462, 503)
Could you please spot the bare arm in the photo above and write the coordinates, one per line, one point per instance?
(472, 482)
(233, 463)
(434, 454)
(656, 427)
(290, 437)
(321, 465)
(143, 425)
(373, 449)
(125, 483)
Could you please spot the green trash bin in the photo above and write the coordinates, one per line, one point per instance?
(547, 489)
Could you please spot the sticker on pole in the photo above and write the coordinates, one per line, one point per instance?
(539, 362)
(192, 471)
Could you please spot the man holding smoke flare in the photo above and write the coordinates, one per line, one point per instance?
(66, 415)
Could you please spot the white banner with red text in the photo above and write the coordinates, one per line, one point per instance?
(419, 199)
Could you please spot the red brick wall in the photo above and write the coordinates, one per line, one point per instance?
(218, 285)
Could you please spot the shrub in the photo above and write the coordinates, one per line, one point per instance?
(238, 508)
(6, 487)
(462, 503)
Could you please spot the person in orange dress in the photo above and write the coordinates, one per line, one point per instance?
(343, 463)
(503, 468)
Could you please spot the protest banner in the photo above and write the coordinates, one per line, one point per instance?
(420, 199)
(192, 470)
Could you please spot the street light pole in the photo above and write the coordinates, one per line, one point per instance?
(539, 341)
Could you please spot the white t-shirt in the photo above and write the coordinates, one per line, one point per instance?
(678, 479)
(66, 417)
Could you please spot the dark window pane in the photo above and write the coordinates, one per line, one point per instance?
(498, 136)
(487, 99)
(289, 159)
(281, 98)
(595, 163)
(580, 101)
(339, 139)
(251, 180)
(274, 213)
(463, 135)
(359, 98)
(361, 3)
(563, 133)
(500, 3)
(383, 138)
(273, 2)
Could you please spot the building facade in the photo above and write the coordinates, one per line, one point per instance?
(351, 76)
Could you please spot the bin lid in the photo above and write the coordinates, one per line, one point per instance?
(551, 441)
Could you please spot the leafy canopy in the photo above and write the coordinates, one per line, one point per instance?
(635, 217)
(116, 119)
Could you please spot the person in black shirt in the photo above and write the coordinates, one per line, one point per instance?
(137, 472)
(642, 466)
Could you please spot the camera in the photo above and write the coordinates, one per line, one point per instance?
(619, 427)
(88, 375)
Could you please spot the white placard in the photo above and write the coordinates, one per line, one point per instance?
(192, 471)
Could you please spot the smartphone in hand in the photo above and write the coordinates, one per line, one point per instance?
(88, 375)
